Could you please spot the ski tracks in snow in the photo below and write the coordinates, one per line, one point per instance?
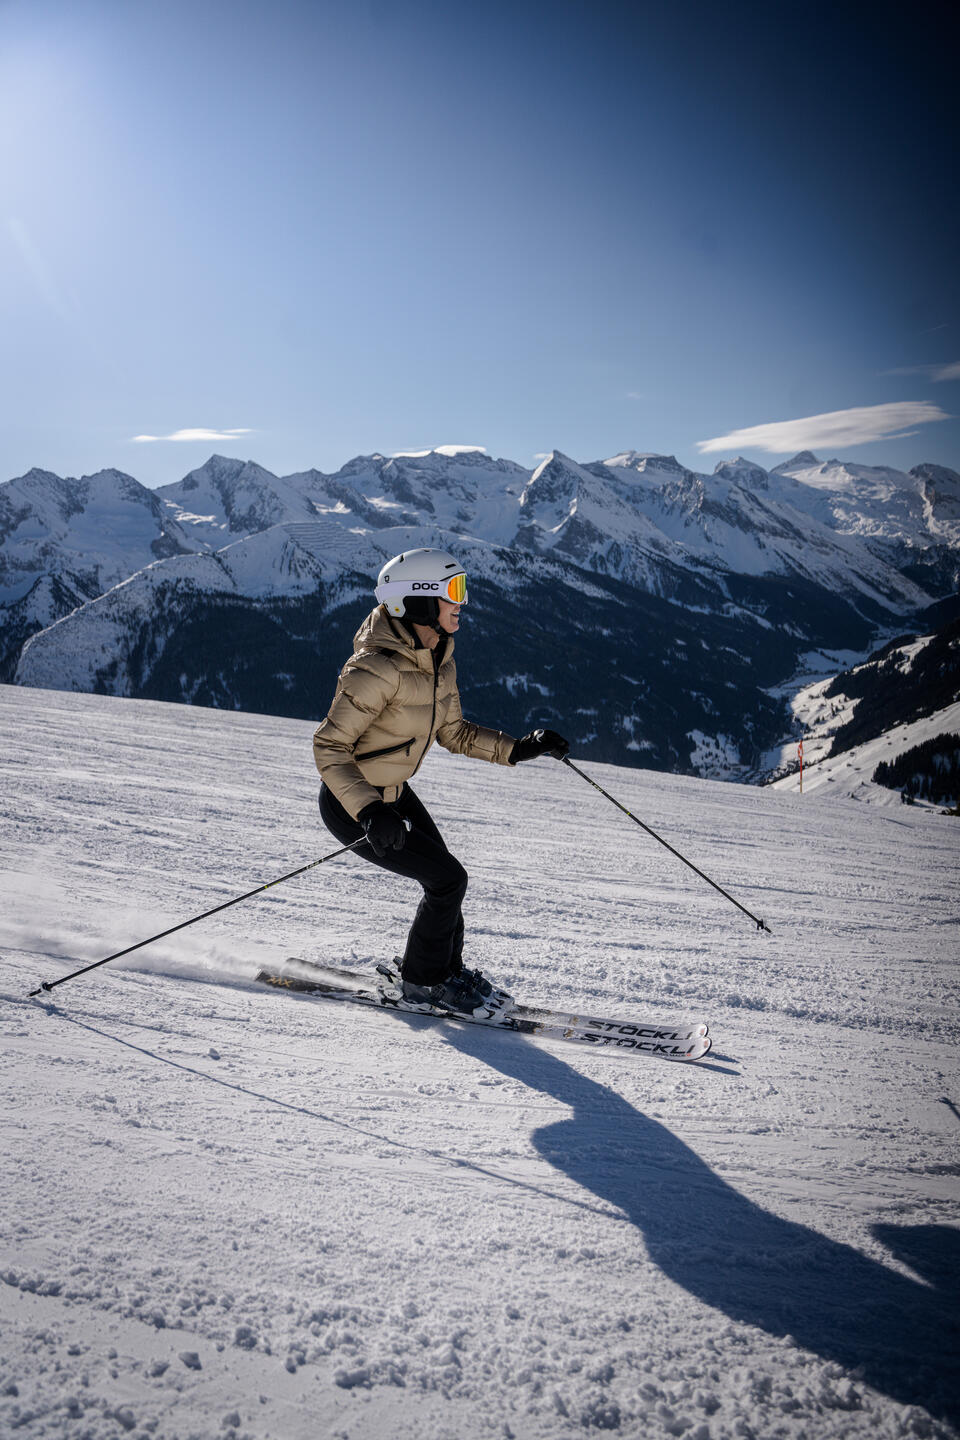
(235, 1212)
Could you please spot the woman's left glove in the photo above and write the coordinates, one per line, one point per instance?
(539, 742)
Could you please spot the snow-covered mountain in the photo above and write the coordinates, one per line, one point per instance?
(911, 521)
(65, 541)
(226, 499)
(744, 519)
(643, 518)
(462, 490)
(848, 775)
(648, 609)
(905, 693)
(940, 488)
(588, 518)
(874, 500)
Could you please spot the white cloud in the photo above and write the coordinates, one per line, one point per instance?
(449, 450)
(950, 371)
(195, 435)
(834, 430)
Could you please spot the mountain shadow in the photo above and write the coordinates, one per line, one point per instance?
(899, 1335)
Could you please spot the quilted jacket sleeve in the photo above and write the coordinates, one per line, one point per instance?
(365, 687)
(463, 737)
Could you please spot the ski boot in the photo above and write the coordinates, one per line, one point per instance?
(457, 995)
(491, 993)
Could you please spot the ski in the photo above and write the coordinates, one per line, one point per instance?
(677, 1033)
(352, 987)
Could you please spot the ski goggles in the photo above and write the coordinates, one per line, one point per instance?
(391, 592)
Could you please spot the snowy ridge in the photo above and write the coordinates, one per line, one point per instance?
(636, 516)
(849, 775)
(63, 542)
(566, 508)
(230, 1211)
(95, 530)
(225, 498)
(875, 500)
(776, 563)
(467, 492)
(97, 640)
(741, 519)
(904, 694)
(287, 561)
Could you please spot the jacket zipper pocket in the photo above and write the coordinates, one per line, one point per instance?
(387, 750)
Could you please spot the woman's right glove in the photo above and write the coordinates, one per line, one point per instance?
(539, 742)
(383, 827)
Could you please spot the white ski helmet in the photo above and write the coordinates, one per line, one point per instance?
(421, 575)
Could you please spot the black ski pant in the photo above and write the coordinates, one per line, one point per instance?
(435, 943)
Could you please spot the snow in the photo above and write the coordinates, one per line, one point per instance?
(815, 715)
(814, 665)
(641, 518)
(230, 1211)
(818, 716)
(99, 528)
(870, 501)
(732, 519)
(382, 503)
(286, 560)
(523, 683)
(715, 756)
(848, 774)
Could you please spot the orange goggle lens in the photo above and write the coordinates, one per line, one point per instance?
(457, 589)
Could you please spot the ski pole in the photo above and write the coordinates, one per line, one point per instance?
(760, 924)
(52, 984)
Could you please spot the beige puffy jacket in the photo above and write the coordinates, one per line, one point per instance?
(391, 703)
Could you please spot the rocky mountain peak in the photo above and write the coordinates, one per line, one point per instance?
(647, 462)
(556, 480)
(36, 476)
(804, 460)
(227, 473)
(362, 465)
(221, 469)
(743, 472)
(940, 476)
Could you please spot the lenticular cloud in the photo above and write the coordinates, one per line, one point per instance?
(199, 434)
(834, 430)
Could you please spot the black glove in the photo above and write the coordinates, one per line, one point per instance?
(539, 742)
(383, 827)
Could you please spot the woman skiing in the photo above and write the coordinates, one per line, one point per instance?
(397, 694)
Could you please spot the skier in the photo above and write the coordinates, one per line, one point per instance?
(397, 694)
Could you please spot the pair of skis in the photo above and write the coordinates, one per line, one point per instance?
(663, 1040)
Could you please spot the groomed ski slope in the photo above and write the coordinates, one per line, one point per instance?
(227, 1211)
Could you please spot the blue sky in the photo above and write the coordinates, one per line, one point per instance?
(321, 229)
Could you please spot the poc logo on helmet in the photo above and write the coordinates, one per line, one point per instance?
(425, 585)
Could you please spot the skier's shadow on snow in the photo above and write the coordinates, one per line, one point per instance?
(899, 1335)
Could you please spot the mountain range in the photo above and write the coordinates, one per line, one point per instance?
(651, 612)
